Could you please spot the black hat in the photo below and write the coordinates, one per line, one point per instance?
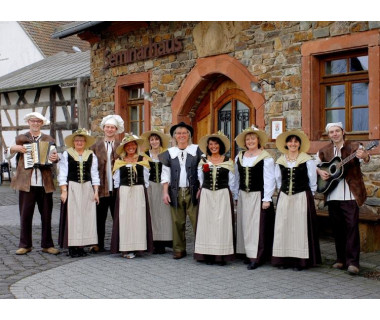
(184, 125)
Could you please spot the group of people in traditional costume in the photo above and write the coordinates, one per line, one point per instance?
(151, 188)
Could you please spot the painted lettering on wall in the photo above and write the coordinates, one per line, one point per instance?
(152, 50)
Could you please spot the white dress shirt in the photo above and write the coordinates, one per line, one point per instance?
(175, 152)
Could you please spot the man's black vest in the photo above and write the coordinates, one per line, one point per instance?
(175, 170)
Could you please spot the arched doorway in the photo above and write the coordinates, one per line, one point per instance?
(208, 88)
(224, 107)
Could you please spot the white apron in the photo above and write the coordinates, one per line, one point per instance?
(81, 214)
(132, 219)
(160, 214)
(248, 223)
(290, 229)
(214, 226)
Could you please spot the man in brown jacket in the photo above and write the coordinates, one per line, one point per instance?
(105, 151)
(344, 200)
(35, 185)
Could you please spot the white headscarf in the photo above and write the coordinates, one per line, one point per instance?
(115, 120)
(334, 124)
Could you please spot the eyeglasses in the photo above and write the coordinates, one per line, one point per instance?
(35, 121)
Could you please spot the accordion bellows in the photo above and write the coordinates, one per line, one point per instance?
(37, 154)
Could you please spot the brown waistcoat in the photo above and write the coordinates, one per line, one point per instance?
(101, 153)
(353, 174)
(21, 180)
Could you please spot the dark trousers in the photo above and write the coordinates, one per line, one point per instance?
(101, 215)
(344, 216)
(27, 202)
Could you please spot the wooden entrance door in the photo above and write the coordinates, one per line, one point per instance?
(224, 107)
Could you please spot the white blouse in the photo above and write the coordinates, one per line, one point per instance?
(64, 168)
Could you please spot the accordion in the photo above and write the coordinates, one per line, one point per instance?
(37, 154)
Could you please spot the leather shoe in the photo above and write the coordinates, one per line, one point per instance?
(353, 270)
(51, 250)
(20, 251)
(252, 266)
(179, 254)
(338, 265)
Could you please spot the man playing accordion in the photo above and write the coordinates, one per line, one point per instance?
(35, 185)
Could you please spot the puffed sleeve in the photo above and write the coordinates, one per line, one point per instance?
(94, 171)
(278, 177)
(312, 174)
(200, 175)
(116, 179)
(63, 169)
(235, 190)
(269, 179)
(146, 177)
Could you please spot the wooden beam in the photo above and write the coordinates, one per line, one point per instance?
(82, 102)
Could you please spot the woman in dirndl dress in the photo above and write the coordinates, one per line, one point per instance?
(79, 182)
(132, 229)
(157, 142)
(296, 242)
(254, 188)
(214, 237)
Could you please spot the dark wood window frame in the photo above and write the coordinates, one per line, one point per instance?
(312, 53)
(346, 79)
(123, 84)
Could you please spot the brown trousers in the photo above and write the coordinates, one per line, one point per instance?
(27, 202)
(344, 216)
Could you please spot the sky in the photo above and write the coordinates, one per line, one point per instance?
(198, 10)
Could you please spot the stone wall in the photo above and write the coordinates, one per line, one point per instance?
(269, 50)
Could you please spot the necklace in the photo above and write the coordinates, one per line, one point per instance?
(291, 160)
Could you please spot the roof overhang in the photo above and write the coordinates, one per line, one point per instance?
(74, 28)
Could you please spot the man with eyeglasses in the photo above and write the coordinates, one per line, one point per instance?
(35, 185)
(180, 183)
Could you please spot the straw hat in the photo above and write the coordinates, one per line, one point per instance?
(129, 137)
(164, 138)
(115, 120)
(240, 139)
(69, 140)
(184, 125)
(281, 140)
(204, 140)
(38, 116)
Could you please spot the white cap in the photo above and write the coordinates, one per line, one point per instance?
(114, 120)
(334, 124)
(38, 116)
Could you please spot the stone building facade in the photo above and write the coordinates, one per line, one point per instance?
(218, 61)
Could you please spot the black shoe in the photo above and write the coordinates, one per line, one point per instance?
(298, 268)
(283, 267)
(73, 252)
(209, 263)
(252, 266)
(222, 263)
(81, 252)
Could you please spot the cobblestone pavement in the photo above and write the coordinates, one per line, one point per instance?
(39, 275)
